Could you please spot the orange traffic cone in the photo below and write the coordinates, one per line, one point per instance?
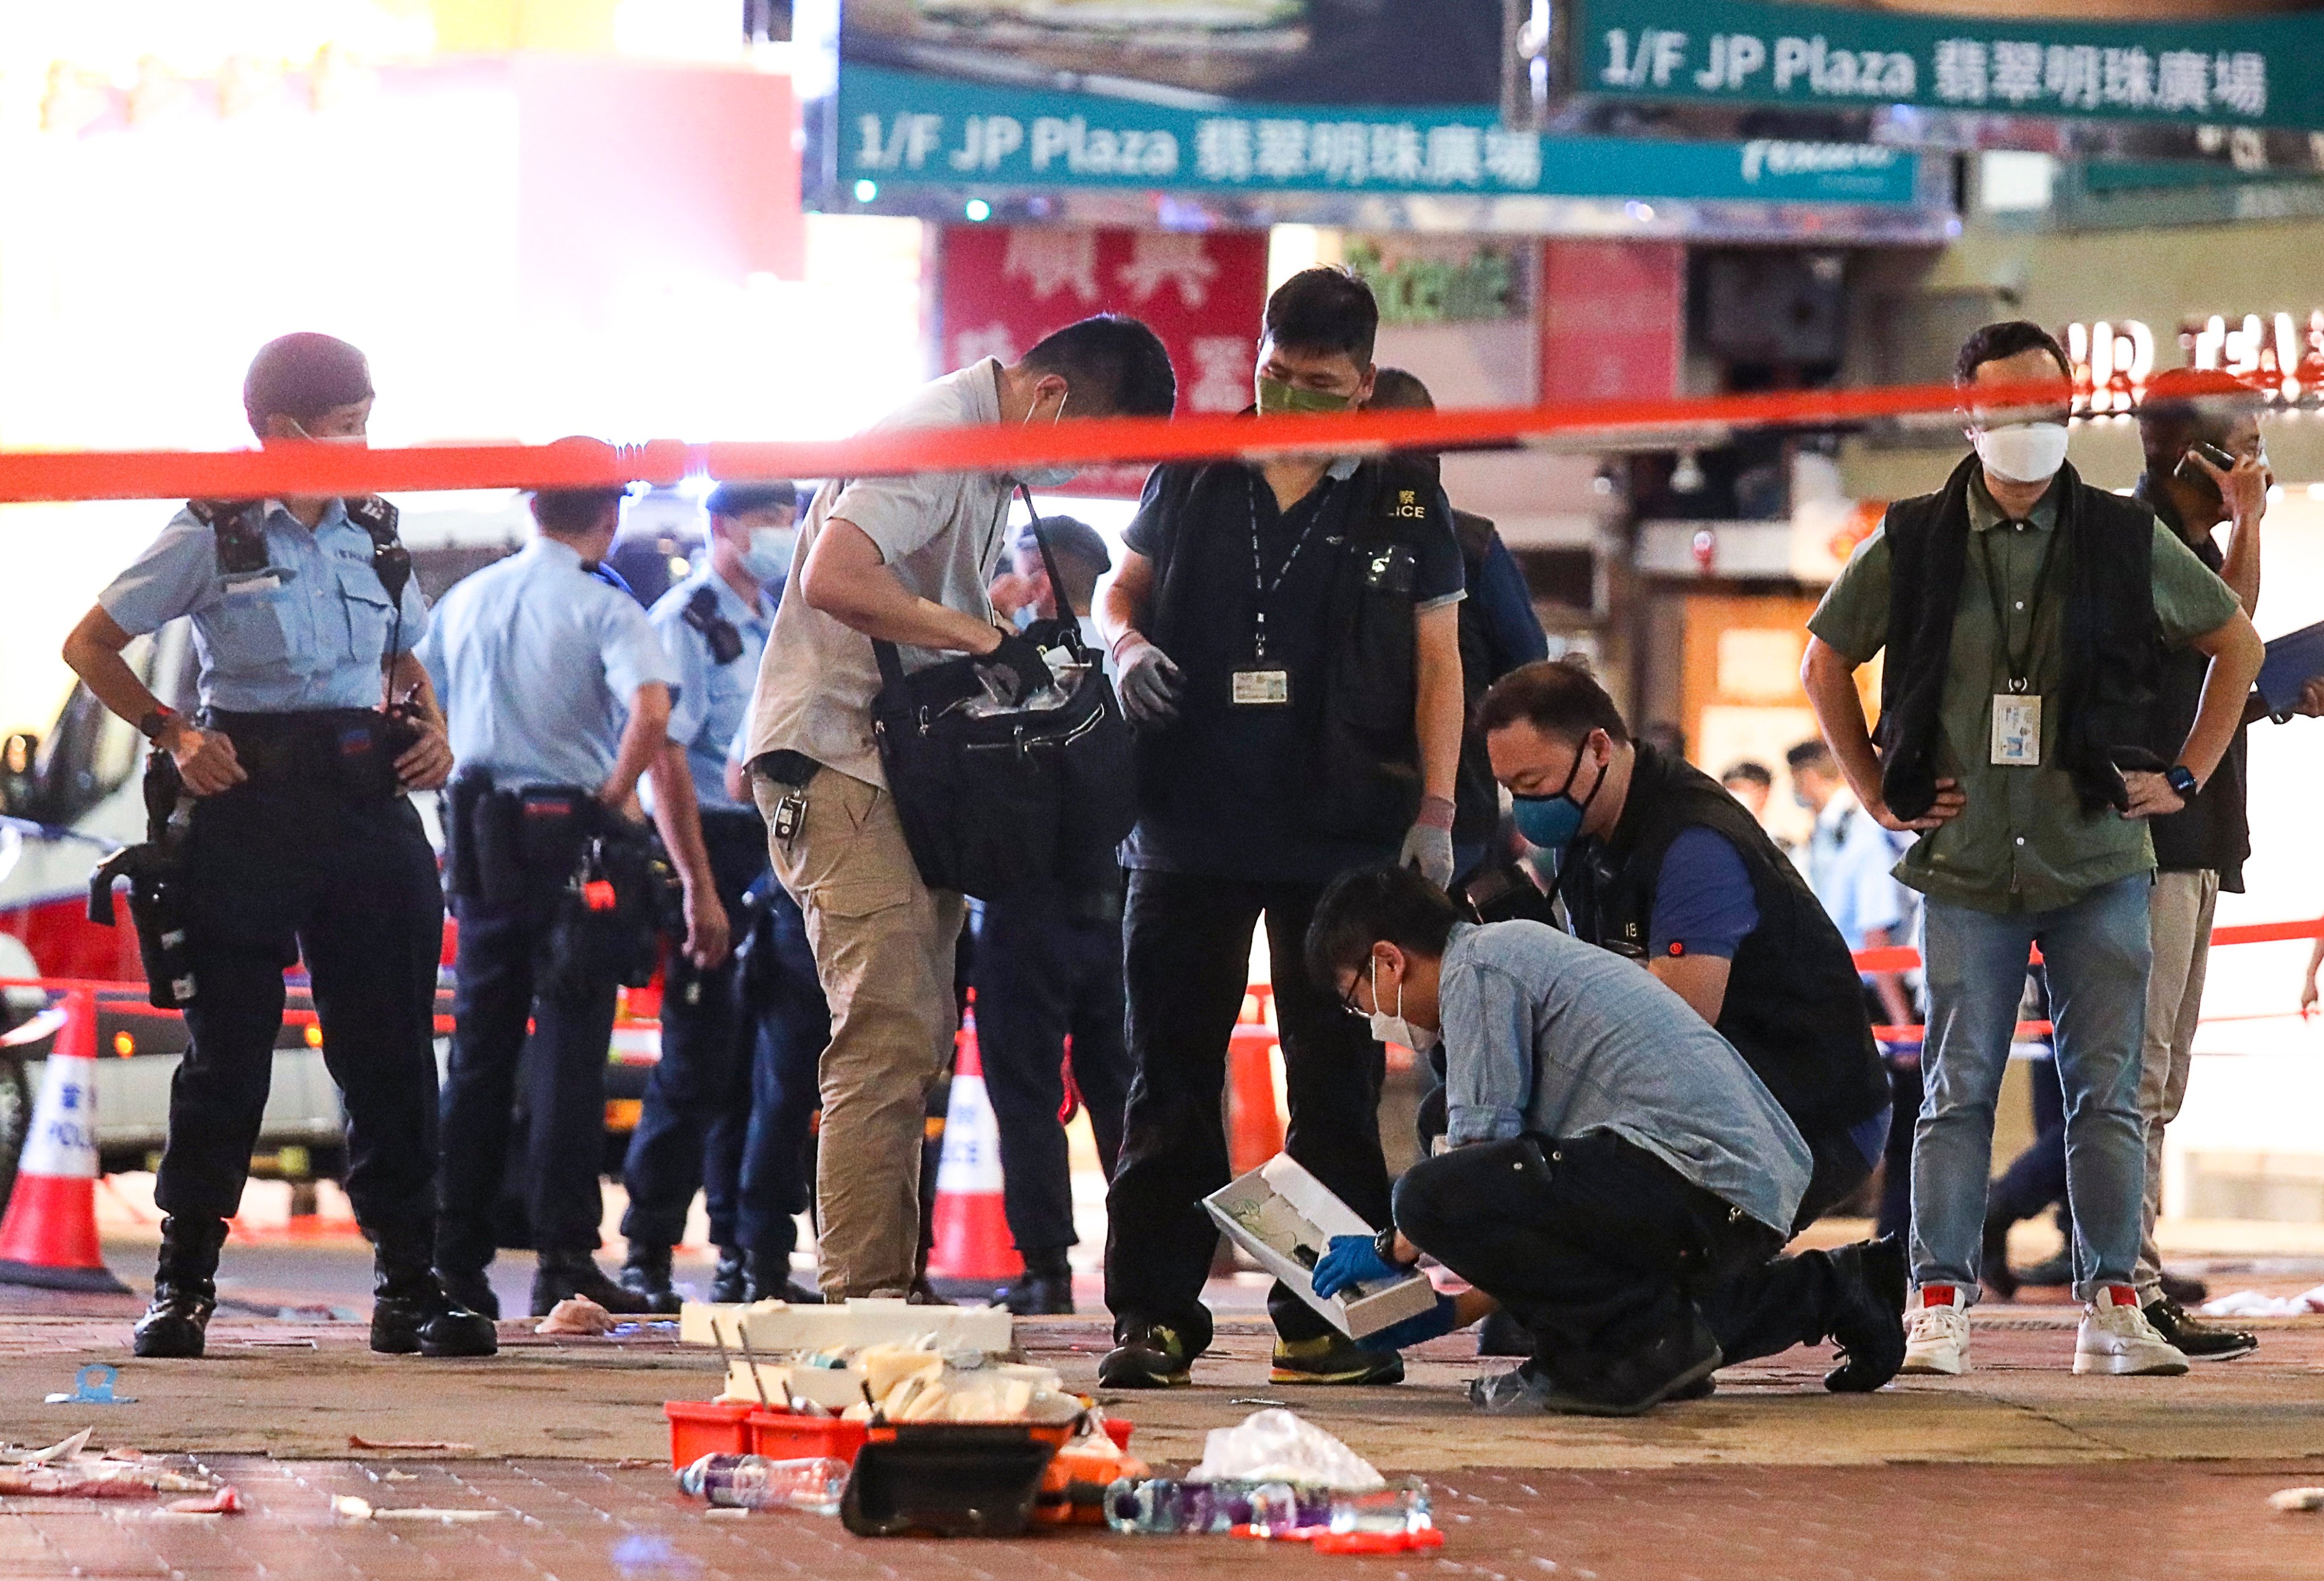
(49, 1237)
(1254, 1124)
(972, 1231)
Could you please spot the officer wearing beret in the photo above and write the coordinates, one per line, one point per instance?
(559, 695)
(727, 1105)
(299, 844)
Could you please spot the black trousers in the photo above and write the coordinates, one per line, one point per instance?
(281, 872)
(756, 1170)
(502, 976)
(1048, 972)
(701, 1083)
(1596, 1247)
(1186, 956)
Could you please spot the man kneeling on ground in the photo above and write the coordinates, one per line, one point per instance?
(1614, 1174)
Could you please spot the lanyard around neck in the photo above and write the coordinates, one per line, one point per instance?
(1263, 587)
(2021, 663)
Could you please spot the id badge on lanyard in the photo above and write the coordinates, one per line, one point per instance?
(1255, 686)
(1261, 684)
(2017, 731)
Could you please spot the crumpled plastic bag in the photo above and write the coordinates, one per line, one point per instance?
(2250, 1303)
(576, 1315)
(1280, 1446)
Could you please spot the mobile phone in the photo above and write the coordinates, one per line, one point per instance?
(2211, 452)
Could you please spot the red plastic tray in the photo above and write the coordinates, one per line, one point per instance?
(784, 1435)
(706, 1427)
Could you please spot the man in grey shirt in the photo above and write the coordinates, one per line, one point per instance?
(1614, 1175)
(905, 560)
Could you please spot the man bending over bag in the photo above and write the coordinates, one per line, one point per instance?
(1614, 1175)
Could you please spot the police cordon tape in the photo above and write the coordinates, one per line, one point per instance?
(322, 469)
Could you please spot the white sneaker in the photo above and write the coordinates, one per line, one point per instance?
(2117, 1338)
(1936, 1332)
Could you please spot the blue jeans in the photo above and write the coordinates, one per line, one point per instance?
(2098, 955)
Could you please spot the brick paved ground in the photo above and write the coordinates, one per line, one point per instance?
(2017, 1470)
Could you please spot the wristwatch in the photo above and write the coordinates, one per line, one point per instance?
(152, 726)
(2181, 780)
(1384, 1244)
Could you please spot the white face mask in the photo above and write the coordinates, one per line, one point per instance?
(1395, 1028)
(2022, 453)
(770, 554)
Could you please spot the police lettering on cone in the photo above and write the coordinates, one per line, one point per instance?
(727, 1106)
(559, 697)
(292, 837)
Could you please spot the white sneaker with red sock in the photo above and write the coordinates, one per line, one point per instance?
(1936, 1332)
(2117, 1338)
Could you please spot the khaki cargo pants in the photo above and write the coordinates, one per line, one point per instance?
(883, 945)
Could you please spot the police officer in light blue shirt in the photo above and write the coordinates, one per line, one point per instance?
(727, 1105)
(294, 842)
(560, 698)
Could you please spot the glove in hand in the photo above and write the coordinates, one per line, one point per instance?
(1353, 1260)
(1020, 662)
(1147, 682)
(1433, 1324)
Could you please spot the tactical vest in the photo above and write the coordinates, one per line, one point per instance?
(1365, 781)
(1794, 1006)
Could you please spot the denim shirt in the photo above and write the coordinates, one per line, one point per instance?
(1546, 1036)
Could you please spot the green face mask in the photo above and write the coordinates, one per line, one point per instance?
(1277, 400)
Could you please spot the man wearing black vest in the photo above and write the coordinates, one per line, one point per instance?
(2025, 614)
(1657, 862)
(1286, 639)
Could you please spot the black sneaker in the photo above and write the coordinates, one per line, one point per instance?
(2197, 1341)
(1333, 1358)
(1869, 1322)
(1671, 1366)
(1152, 1357)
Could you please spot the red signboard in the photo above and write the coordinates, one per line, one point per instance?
(1613, 319)
(1004, 287)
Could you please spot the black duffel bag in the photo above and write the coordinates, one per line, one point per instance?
(994, 800)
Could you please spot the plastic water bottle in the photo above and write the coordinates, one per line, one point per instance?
(753, 1481)
(1168, 1506)
(1401, 1506)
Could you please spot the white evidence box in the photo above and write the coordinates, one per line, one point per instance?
(1278, 1211)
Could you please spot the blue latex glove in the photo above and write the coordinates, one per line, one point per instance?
(1430, 1324)
(1352, 1261)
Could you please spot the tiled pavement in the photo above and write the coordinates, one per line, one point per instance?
(2018, 1470)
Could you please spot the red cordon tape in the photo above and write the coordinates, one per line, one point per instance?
(1905, 958)
(326, 469)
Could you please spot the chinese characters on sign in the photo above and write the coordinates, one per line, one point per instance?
(1004, 287)
(2253, 70)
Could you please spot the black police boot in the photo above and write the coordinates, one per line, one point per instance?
(730, 1281)
(1868, 1322)
(471, 1292)
(411, 1312)
(645, 1272)
(1044, 1290)
(185, 1289)
(769, 1279)
(564, 1274)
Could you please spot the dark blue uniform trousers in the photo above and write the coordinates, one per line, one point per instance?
(1048, 969)
(502, 970)
(281, 871)
(727, 1106)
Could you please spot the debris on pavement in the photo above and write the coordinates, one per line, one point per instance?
(92, 1385)
(225, 1501)
(1278, 1445)
(576, 1315)
(2291, 1500)
(347, 1507)
(440, 1446)
(2250, 1303)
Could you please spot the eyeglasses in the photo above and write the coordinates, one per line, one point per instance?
(1347, 1002)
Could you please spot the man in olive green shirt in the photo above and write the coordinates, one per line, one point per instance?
(2020, 611)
